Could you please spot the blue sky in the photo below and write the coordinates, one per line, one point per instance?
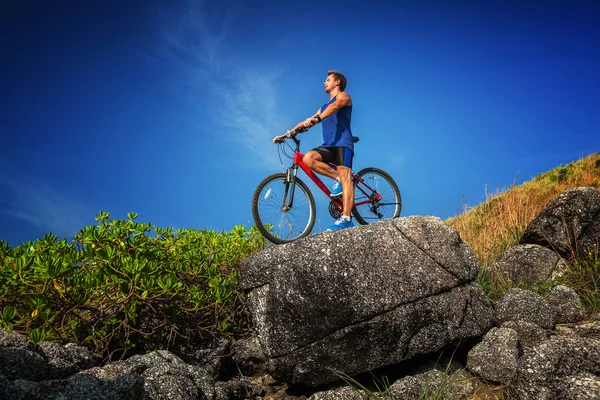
(167, 108)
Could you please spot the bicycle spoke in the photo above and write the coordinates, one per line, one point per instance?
(376, 182)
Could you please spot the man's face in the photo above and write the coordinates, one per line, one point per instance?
(331, 83)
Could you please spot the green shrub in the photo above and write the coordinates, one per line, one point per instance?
(124, 287)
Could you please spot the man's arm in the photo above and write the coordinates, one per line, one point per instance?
(307, 123)
(342, 100)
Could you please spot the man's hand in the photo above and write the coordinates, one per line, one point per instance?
(276, 138)
(310, 122)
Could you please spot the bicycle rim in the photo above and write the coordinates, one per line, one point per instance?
(276, 224)
(383, 184)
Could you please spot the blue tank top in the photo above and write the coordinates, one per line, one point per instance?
(336, 128)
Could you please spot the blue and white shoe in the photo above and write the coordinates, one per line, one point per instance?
(341, 224)
(336, 189)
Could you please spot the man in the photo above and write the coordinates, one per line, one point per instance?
(338, 144)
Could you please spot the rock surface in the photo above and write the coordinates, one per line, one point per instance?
(529, 262)
(364, 297)
(570, 224)
(496, 357)
(524, 305)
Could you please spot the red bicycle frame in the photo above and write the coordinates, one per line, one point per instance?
(370, 194)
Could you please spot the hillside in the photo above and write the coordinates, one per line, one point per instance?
(497, 224)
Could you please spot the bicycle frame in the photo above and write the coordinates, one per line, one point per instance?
(371, 194)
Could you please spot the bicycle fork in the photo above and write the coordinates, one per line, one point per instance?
(290, 187)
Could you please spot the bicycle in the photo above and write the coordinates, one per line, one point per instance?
(278, 206)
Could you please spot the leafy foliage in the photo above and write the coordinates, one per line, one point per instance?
(125, 287)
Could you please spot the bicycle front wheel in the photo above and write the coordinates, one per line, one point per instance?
(374, 182)
(283, 211)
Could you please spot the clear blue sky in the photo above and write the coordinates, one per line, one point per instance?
(167, 108)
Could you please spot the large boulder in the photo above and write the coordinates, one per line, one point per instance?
(570, 224)
(365, 297)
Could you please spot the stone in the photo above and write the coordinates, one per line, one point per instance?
(569, 224)
(529, 262)
(566, 304)
(495, 357)
(524, 305)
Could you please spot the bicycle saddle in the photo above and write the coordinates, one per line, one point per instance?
(355, 139)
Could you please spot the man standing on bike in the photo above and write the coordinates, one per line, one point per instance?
(338, 144)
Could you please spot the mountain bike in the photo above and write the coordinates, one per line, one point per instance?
(284, 209)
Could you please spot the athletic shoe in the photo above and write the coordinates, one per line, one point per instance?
(336, 189)
(341, 224)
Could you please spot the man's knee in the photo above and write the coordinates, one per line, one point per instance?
(310, 158)
(345, 174)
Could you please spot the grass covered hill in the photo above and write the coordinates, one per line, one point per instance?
(499, 222)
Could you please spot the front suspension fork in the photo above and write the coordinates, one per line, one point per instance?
(290, 187)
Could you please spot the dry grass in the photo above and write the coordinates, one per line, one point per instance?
(498, 223)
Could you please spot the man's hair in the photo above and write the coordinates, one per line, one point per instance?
(339, 77)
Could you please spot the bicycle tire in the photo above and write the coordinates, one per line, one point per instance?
(266, 210)
(390, 204)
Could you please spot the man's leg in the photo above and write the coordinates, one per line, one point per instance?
(345, 175)
(314, 161)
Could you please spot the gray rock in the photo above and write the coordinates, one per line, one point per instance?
(211, 358)
(78, 387)
(361, 298)
(570, 224)
(495, 357)
(12, 339)
(419, 386)
(22, 363)
(589, 329)
(249, 357)
(583, 386)
(433, 384)
(529, 334)
(177, 382)
(21, 359)
(343, 393)
(67, 360)
(165, 375)
(547, 369)
(529, 262)
(413, 329)
(524, 305)
(566, 304)
(237, 389)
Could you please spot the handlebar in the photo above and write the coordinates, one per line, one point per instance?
(291, 135)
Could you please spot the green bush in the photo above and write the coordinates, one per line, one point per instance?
(123, 287)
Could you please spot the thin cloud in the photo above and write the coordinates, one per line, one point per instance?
(240, 95)
(41, 206)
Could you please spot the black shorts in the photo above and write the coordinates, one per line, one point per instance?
(336, 155)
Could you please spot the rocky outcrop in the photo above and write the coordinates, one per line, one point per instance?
(537, 363)
(362, 298)
(529, 262)
(72, 372)
(570, 224)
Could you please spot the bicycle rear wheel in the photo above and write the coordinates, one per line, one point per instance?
(273, 216)
(376, 181)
